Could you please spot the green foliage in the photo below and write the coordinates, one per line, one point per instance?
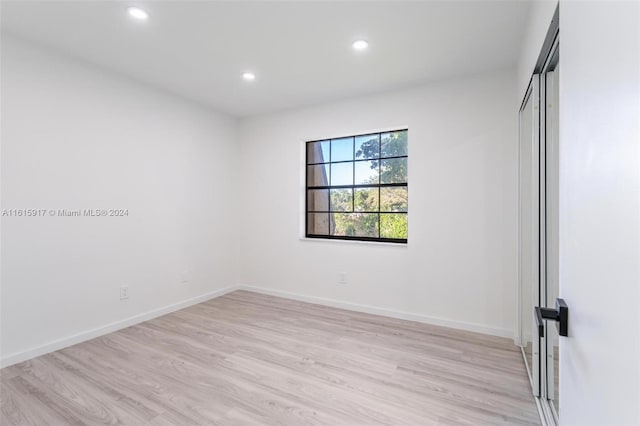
(393, 199)
(392, 170)
(392, 144)
(366, 200)
(341, 200)
(393, 225)
(356, 224)
(368, 148)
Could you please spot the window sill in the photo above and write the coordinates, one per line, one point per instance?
(354, 242)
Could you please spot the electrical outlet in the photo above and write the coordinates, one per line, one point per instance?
(342, 277)
(124, 292)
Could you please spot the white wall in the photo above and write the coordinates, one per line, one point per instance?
(600, 212)
(459, 267)
(74, 136)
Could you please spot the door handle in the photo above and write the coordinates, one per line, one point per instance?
(560, 315)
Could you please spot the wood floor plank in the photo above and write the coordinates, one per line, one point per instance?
(252, 359)
(21, 408)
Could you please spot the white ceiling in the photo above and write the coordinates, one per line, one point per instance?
(300, 51)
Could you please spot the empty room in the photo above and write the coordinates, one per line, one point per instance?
(320, 212)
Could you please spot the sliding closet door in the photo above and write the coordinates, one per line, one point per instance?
(539, 249)
(529, 178)
(543, 315)
(550, 97)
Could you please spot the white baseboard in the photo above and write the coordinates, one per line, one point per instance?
(444, 322)
(109, 328)
(136, 319)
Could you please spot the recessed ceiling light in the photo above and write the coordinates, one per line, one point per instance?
(360, 44)
(249, 76)
(138, 13)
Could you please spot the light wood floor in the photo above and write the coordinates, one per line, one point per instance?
(246, 358)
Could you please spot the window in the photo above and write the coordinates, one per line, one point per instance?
(357, 188)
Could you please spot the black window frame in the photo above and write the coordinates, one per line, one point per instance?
(353, 187)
